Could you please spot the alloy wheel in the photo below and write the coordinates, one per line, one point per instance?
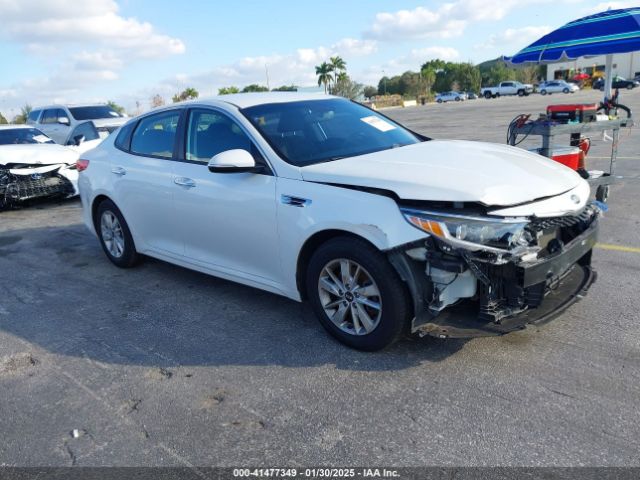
(350, 297)
(112, 234)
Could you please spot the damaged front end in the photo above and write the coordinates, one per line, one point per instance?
(23, 182)
(481, 275)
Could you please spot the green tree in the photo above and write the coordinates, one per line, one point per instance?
(528, 74)
(338, 66)
(345, 87)
(286, 88)
(468, 77)
(3, 121)
(23, 115)
(228, 90)
(323, 71)
(370, 92)
(188, 93)
(254, 88)
(116, 107)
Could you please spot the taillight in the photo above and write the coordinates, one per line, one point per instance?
(82, 165)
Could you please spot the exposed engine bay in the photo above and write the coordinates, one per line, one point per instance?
(23, 182)
(520, 275)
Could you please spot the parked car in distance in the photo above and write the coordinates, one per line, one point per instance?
(557, 86)
(471, 95)
(450, 97)
(57, 121)
(318, 198)
(34, 166)
(507, 88)
(618, 82)
(83, 137)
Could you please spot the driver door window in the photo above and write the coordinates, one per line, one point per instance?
(210, 133)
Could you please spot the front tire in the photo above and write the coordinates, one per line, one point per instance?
(356, 294)
(521, 93)
(566, 90)
(543, 92)
(115, 236)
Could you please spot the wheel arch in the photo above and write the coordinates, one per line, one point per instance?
(311, 245)
(94, 207)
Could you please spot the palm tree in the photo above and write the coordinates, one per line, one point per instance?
(337, 65)
(324, 75)
(342, 77)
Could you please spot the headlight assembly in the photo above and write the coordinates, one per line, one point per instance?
(472, 233)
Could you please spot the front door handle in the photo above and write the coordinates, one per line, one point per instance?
(184, 182)
(118, 171)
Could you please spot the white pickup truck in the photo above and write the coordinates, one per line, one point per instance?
(507, 88)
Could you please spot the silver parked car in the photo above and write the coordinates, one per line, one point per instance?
(58, 121)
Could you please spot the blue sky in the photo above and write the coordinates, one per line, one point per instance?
(129, 50)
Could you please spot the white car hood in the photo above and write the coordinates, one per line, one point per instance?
(37, 154)
(452, 171)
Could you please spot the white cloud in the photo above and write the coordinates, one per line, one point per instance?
(43, 23)
(430, 53)
(82, 43)
(604, 6)
(446, 21)
(515, 36)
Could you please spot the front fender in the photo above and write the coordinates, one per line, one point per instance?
(320, 207)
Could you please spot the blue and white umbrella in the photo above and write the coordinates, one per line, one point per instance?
(606, 33)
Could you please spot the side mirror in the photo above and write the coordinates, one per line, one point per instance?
(64, 121)
(232, 161)
(78, 139)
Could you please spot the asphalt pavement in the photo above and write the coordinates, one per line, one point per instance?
(164, 366)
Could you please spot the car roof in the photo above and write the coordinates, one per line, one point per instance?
(70, 105)
(245, 100)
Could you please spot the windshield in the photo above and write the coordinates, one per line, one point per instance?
(23, 136)
(91, 113)
(315, 131)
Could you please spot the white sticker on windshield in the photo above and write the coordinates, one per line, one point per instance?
(377, 122)
(41, 138)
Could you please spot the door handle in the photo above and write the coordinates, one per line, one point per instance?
(184, 182)
(118, 171)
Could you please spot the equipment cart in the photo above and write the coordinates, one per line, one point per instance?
(548, 131)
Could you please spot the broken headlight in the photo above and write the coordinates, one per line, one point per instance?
(472, 233)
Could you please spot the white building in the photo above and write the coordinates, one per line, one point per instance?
(625, 65)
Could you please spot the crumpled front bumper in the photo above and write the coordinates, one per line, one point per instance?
(565, 278)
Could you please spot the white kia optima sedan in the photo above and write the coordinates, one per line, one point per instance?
(314, 197)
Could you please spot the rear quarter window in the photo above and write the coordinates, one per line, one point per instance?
(123, 138)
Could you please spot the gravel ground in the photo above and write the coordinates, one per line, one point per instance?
(163, 366)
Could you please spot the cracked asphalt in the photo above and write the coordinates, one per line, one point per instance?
(163, 366)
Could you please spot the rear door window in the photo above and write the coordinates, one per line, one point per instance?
(155, 135)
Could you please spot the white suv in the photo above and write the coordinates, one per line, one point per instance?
(315, 197)
(58, 121)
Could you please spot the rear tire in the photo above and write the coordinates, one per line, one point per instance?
(630, 87)
(115, 236)
(356, 294)
(543, 92)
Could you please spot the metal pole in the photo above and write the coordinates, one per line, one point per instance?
(608, 72)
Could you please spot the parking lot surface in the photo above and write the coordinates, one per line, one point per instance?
(159, 365)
